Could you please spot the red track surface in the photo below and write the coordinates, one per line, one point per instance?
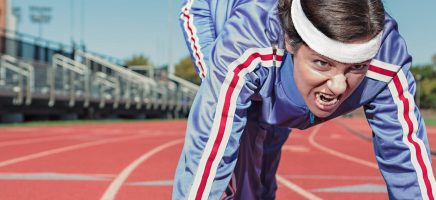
(138, 160)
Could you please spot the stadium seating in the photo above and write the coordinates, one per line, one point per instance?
(42, 82)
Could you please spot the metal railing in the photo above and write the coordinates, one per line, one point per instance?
(70, 78)
(186, 92)
(134, 88)
(108, 88)
(89, 80)
(18, 75)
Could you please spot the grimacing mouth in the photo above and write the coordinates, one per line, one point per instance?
(327, 99)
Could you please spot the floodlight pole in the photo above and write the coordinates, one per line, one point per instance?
(72, 21)
(434, 62)
(418, 90)
(40, 15)
(170, 68)
(82, 25)
(16, 12)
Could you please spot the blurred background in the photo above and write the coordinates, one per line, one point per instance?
(70, 70)
(81, 59)
(75, 59)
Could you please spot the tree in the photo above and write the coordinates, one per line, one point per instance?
(427, 84)
(426, 71)
(138, 60)
(186, 70)
(434, 60)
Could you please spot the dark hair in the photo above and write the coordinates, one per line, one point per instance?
(341, 20)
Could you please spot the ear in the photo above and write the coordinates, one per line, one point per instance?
(288, 46)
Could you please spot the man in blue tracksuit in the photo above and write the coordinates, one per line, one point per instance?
(268, 66)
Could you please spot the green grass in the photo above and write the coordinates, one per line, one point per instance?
(430, 121)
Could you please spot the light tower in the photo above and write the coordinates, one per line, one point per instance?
(40, 15)
(171, 68)
(434, 62)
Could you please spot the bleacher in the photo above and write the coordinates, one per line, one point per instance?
(45, 80)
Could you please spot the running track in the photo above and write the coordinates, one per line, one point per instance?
(137, 161)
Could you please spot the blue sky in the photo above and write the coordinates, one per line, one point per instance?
(124, 28)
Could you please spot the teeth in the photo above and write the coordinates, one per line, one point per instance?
(326, 99)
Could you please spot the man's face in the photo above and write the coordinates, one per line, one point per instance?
(325, 83)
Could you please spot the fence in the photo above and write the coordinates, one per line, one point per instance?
(34, 76)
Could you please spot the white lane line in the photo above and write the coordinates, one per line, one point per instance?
(116, 184)
(359, 188)
(331, 177)
(337, 153)
(29, 141)
(46, 138)
(102, 133)
(52, 176)
(65, 149)
(292, 186)
(294, 148)
(81, 174)
(152, 183)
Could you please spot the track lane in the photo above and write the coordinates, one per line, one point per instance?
(117, 183)
(66, 148)
(341, 145)
(302, 164)
(23, 147)
(154, 177)
(108, 158)
(363, 131)
(317, 170)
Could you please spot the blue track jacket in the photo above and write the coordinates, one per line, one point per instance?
(238, 50)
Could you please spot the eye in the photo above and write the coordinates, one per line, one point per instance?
(359, 67)
(321, 63)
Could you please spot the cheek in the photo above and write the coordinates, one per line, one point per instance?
(307, 78)
(354, 81)
(299, 77)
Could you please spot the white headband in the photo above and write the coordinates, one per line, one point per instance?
(342, 52)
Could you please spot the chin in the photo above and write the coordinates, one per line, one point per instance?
(323, 110)
(322, 113)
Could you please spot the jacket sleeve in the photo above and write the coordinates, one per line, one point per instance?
(399, 134)
(218, 115)
(199, 31)
(201, 21)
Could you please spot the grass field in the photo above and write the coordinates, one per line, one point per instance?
(430, 121)
(429, 117)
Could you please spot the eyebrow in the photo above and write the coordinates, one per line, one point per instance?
(313, 52)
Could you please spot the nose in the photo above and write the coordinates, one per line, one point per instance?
(337, 84)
